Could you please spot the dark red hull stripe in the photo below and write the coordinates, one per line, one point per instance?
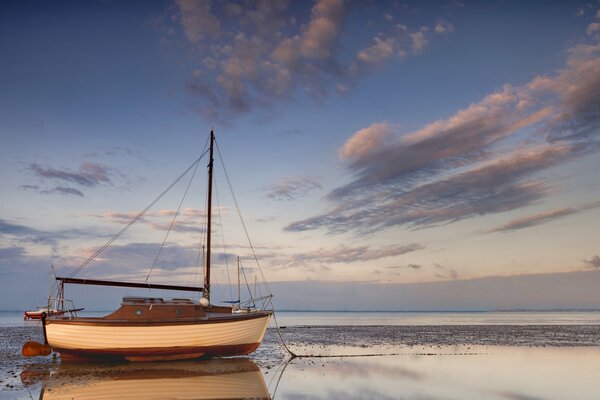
(207, 351)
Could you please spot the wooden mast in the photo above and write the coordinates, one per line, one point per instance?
(239, 292)
(209, 215)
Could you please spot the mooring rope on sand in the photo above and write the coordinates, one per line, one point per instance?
(294, 355)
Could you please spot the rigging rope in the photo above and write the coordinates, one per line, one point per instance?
(237, 207)
(247, 286)
(135, 219)
(172, 221)
(223, 238)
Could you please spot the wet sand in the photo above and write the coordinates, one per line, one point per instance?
(431, 362)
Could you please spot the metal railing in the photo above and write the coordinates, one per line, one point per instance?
(56, 307)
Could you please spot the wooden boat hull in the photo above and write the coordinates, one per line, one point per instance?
(38, 314)
(85, 338)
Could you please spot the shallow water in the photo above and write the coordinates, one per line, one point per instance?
(494, 372)
(296, 318)
(510, 360)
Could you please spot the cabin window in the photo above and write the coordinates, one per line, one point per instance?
(178, 311)
(138, 312)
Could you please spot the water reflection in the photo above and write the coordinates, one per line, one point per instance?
(496, 373)
(489, 372)
(237, 378)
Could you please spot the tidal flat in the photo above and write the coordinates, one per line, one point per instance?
(514, 362)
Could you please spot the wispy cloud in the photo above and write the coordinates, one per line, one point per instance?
(494, 186)
(365, 141)
(66, 191)
(397, 268)
(188, 220)
(197, 20)
(540, 218)
(444, 272)
(25, 233)
(89, 174)
(253, 53)
(292, 187)
(345, 254)
(13, 252)
(462, 167)
(419, 39)
(378, 52)
(443, 27)
(134, 260)
(408, 266)
(593, 262)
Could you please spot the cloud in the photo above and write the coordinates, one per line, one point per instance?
(197, 20)
(440, 145)
(516, 396)
(344, 254)
(445, 272)
(253, 62)
(292, 187)
(14, 252)
(140, 256)
(26, 234)
(532, 220)
(254, 55)
(66, 191)
(323, 29)
(463, 166)
(409, 266)
(593, 262)
(134, 261)
(494, 186)
(365, 141)
(419, 40)
(89, 174)
(540, 218)
(29, 187)
(443, 27)
(188, 220)
(593, 27)
(380, 51)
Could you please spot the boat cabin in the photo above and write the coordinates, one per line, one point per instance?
(157, 308)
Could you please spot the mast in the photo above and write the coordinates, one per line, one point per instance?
(209, 215)
(239, 294)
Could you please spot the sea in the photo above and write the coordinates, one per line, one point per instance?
(496, 355)
(320, 318)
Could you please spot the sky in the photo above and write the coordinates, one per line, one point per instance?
(383, 155)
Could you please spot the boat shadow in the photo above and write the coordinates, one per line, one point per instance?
(217, 378)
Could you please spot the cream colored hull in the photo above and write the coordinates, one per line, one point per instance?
(231, 337)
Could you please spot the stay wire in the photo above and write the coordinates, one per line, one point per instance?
(172, 221)
(247, 286)
(241, 218)
(135, 219)
(223, 238)
(237, 207)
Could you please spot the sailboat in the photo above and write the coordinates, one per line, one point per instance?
(152, 328)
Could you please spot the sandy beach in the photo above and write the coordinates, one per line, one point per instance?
(430, 362)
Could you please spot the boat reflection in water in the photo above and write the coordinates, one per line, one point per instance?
(238, 378)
